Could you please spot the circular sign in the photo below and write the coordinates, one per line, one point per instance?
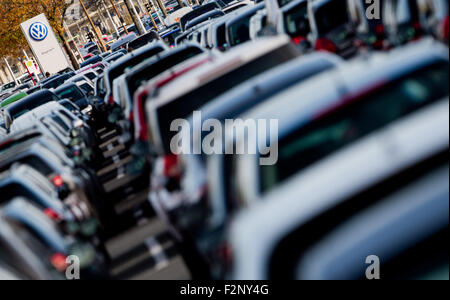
(38, 31)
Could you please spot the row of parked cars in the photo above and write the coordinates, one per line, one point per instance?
(362, 151)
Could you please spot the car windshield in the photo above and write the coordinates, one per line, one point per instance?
(72, 93)
(330, 16)
(296, 20)
(354, 121)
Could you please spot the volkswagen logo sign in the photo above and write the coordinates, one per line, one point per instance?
(38, 31)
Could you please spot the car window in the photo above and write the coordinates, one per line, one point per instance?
(163, 64)
(72, 93)
(318, 139)
(134, 61)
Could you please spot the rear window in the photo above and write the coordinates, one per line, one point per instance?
(296, 20)
(221, 36)
(358, 119)
(143, 40)
(331, 15)
(145, 74)
(186, 104)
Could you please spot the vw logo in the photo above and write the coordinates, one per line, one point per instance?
(38, 31)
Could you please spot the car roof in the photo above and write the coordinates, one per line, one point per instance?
(161, 56)
(244, 12)
(270, 83)
(419, 130)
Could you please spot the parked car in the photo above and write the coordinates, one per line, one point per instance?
(91, 61)
(230, 105)
(143, 40)
(436, 18)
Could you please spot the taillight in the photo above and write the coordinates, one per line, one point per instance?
(58, 261)
(324, 44)
(111, 100)
(52, 214)
(58, 181)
